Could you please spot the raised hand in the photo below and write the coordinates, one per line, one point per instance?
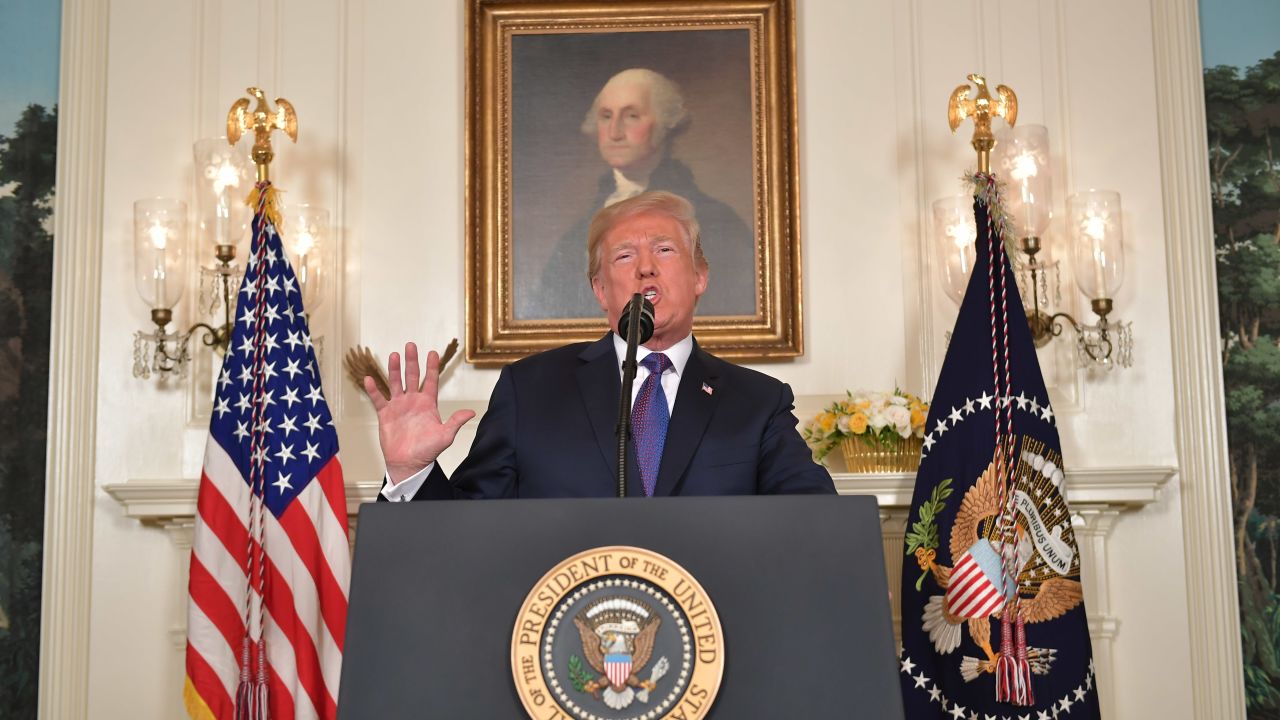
(410, 430)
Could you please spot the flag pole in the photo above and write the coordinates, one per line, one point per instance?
(252, 695)
(1012, 669)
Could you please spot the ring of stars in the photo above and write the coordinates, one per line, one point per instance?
(1038, 409)
(1056, 709)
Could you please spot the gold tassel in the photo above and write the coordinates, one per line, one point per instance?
(271, 208)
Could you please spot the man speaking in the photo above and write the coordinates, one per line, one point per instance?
(701, 425)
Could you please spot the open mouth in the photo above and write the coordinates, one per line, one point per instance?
(650, 294)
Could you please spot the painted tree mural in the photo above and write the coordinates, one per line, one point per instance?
(1243, 113)
(26, 264)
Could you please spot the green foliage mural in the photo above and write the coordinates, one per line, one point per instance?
(1243, 114)
(26, 264)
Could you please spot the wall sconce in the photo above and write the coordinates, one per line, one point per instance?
(160, 267)
(223, 178)
(1022, 162)
(1094, 221)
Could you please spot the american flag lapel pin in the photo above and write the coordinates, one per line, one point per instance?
(707, 389)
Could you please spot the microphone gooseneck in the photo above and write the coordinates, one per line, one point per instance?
(636, 326)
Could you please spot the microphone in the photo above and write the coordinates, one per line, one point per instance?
(636, 326)
(639, 309)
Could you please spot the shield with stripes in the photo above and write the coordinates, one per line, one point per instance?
(618, 667)
(974, 591)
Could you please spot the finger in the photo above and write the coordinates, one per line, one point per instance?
(371, 389)
(431, 383)
(393, 375)
(457, 420)
(411, 368)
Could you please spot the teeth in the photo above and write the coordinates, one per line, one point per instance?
(650, 294)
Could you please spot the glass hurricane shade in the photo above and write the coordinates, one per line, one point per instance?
(160, 250)
(224, 177)
(306, 241)
(1097, 242)
(1022, 163)
(955, 233)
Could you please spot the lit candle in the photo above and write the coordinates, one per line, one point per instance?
(226, 177)
(305, 243)
(159, 240)
(1095, 228)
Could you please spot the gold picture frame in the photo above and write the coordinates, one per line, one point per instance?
(540, 158)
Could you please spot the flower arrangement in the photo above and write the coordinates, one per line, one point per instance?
(878, 431)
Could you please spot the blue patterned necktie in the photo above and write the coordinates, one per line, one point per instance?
(649, 419)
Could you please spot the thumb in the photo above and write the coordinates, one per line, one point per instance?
(458, 419)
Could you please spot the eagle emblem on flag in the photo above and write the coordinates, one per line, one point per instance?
(1045, 581)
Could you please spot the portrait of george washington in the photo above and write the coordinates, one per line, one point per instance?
(602, 117)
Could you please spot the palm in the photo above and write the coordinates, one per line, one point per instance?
(410, 429)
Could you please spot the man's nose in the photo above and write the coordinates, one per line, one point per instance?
(645, 265)
(615, 128)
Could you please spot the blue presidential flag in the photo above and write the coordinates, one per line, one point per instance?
(993, 617)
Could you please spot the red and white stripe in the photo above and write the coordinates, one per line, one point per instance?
(308, 571)
(971, 594)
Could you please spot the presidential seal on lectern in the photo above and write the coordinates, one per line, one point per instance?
(617, 633)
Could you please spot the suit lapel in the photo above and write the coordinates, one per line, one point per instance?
(599, 384)
(693, 410)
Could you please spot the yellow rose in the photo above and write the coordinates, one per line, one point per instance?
(827, 422)
(917, 417)
(858, 423)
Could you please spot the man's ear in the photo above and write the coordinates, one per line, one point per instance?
(597, 287)
(704, 275)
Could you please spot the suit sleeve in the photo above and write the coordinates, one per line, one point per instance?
(786, 464)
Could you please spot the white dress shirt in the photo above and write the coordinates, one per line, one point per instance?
(678, 354)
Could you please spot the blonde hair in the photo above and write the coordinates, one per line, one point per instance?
(658, 202)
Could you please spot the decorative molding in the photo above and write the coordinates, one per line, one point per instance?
(1119, 487)
(73, 366)
(157, 502)
(1217, 686)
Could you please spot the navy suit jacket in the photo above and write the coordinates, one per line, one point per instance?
(549, 432)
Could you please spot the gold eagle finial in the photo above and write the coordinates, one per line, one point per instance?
(262, 120)
(982, 109)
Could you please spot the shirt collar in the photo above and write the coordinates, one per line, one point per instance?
(678, 354)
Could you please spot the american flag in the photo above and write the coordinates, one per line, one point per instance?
(270, 563)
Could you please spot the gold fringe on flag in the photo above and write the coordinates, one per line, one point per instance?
(272, 208)
(197, 708)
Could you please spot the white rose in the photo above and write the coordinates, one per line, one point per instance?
(900, 417)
